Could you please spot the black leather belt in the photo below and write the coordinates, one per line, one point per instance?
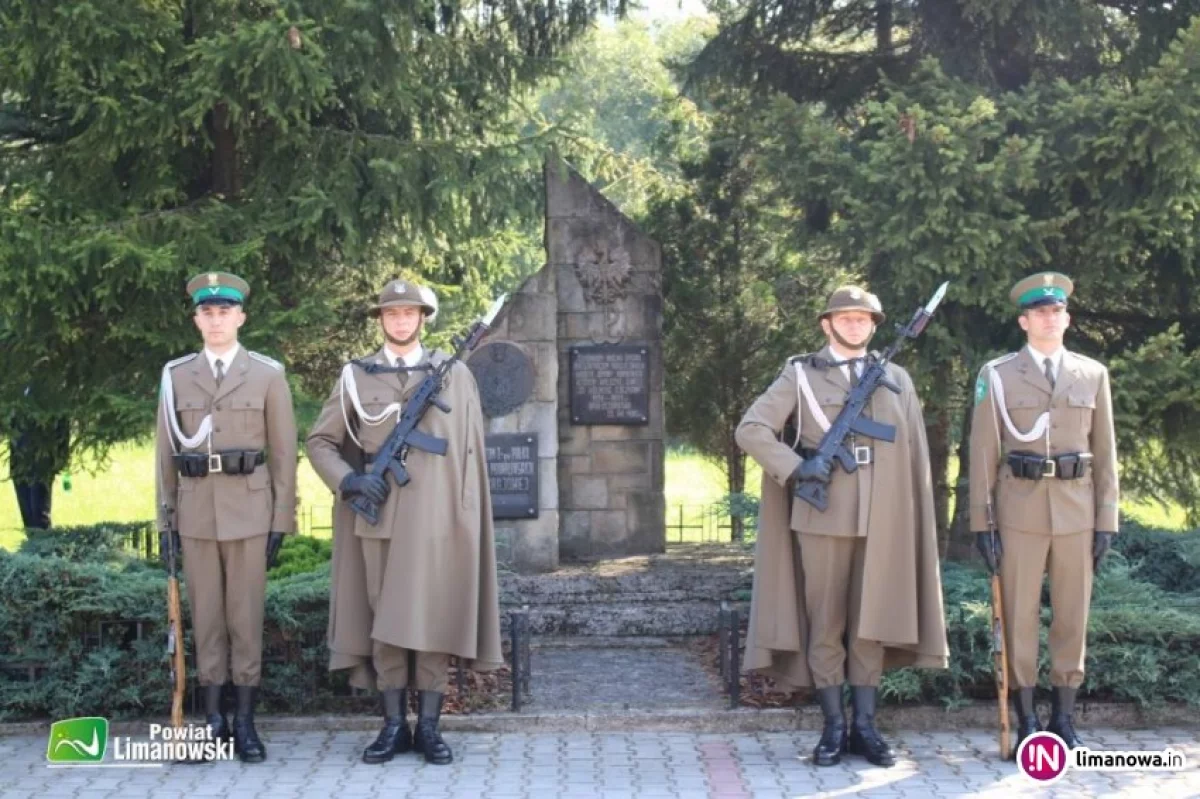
(863, 455)
(1031, 466)
(230, 461)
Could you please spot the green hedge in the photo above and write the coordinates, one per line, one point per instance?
(1143, 643)
(71, 602)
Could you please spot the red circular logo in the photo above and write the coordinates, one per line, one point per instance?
(1043, 757)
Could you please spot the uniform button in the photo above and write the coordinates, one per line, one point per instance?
(217, 407)
(216, 429)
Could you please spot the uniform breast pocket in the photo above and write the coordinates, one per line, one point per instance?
(831, 404)
(1024, 411)
(248, 412)
(1081, 407)
(191, 413)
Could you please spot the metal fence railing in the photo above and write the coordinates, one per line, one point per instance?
(711, 523)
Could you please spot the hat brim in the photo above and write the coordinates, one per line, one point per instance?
(879, 316)
(376, 310)
(218, 301)
(1042, 301)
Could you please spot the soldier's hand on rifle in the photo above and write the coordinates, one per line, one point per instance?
(168, 545)
(991, 555)
(371, 486)
(274, 542)
(1101, 542)
(818, 467)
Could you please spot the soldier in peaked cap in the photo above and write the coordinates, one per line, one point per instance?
(843, 594)
(1044, 458)
(226, 490)
(420, 585)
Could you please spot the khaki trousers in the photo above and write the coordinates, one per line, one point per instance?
(428, 671)
(226, 586)
(1026, 558)
(833, 569)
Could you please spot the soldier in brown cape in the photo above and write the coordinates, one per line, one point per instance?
(1044, 457)
(226, 484)
(849, 592)
(419, 586)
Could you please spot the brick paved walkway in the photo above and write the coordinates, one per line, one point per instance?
(635, 764)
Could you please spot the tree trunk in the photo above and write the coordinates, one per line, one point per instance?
(961, 547)
(225, 180)
(883, 25)
(735, 467)
(939, 456)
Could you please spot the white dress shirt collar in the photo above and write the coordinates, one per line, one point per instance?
(226, 359)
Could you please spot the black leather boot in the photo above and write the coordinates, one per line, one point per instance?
(864, 739)
(395, 738)
(427, 739)
(245, 738)
(1061, 723)
(829, 749)
(213, 716)
(1027, 720)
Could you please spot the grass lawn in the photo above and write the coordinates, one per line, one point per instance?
(124, 491)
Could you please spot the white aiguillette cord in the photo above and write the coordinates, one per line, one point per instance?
(348, 385)
(167, 392)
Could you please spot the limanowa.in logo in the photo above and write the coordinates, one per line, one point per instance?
(84, 742)
(1044, 758)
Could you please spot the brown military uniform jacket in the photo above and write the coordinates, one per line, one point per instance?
(252, 410)
(1081, 420)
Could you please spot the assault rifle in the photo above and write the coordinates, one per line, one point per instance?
(392, 456)
(850, 419)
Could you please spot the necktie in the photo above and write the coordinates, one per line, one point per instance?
(1050, 372)
(853, 368)
(220, 371)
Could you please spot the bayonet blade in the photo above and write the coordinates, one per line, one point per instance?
(937, 298)
(494, 310)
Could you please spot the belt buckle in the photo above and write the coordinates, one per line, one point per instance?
(862, 455)
(1049, 468)
(214, 463)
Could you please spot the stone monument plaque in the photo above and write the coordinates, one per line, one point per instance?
(504, 375)
(610, 384)
(512, 461)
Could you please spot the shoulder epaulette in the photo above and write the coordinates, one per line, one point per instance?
(1087, 360)
(804, 357)
(1002, 359)
(182, 360)
(274, 364)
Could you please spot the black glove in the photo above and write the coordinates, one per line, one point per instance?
(818, 467)
(983, 542)
(274, 542)
(1101, 542)
(168, 541)
(371, 486)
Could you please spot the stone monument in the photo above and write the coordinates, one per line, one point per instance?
(571, 384)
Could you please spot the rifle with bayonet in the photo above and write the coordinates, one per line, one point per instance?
(392, 456)
(850, 420)
(999, 647)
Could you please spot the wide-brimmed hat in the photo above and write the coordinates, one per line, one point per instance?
(853, 298)
(405, 292)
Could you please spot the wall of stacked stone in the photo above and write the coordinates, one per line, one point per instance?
(529, 323)
(608, 277)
